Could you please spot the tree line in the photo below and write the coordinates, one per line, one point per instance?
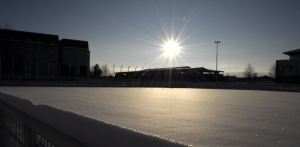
(99, 71)
(6, 26)
(250, 73)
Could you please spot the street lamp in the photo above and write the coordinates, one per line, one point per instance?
(121, 68)
(128, 68)
(114, 70)
(217, 42)
(135, 72)
(105, 70)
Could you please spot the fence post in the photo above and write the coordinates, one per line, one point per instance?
(30, 137)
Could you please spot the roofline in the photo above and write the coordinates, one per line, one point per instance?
(157, 69)
(292, 52)
(29, 32)
(72, 40)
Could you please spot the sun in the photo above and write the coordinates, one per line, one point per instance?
(171, 48)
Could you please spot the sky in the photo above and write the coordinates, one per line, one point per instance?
(133, 32)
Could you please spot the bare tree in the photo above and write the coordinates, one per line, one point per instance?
(6, 26)
(272, 71)
(95, 71)
(249, 71)
(105, 70)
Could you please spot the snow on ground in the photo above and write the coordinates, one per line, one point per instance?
(199, 117)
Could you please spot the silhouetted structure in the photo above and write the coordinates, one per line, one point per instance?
(184, 73)
(36, 54)
(76, 54)
(288, 71)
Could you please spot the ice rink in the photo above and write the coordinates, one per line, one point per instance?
(199, 117)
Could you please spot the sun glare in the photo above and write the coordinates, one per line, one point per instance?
(171, 48)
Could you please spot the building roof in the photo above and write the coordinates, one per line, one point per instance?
(204, 69)
(293, 52)
(78, 44)
(22, 35)
(174, 68)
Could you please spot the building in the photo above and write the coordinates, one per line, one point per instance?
(75, 57)
(184, 73)
(36, 54)
(28, 53)
(288, 71)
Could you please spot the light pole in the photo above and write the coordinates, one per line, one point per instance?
(105, 70)
(148, 73)
(142, 73)
(217, 42)
(135, 72)
(121, 68)
(114, 70)
(127, 74)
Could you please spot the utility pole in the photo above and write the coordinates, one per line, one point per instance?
(217, 42)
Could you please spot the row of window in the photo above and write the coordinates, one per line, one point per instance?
(39, 68)
(39, 54)
(18, 46)
(286, 68)
(28, 39)
(295, 57)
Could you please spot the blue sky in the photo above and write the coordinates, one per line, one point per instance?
(132, 32)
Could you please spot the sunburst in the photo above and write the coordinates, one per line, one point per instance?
(171, 48)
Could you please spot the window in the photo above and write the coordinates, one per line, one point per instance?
(289, 68)
(207, 73)
(295, 57)
(39, 40)
(29, 39)
(286, 68)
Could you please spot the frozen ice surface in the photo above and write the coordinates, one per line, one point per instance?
(199, 117)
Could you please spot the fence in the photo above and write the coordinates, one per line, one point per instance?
(18, 129)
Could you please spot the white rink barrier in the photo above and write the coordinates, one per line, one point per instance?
(24, 124)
